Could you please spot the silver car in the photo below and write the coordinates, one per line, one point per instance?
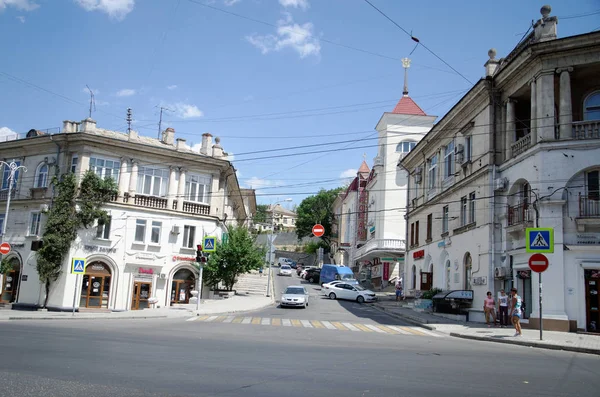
(294, 295)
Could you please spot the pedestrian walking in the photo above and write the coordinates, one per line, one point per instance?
(489, 309)
(260, 271)
(503, 308)
(516, 312)
(398, 290)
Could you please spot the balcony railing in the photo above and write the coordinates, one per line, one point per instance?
(586, 129)
(161, 203)
(519, 214)
(150, 202)
(589, 207)
(521, 145)
(196, 208)
(4, 194)
(381, 244)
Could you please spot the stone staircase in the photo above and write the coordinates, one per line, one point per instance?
(252, 283)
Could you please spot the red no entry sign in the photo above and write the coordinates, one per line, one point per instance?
(4, 248)
(318, 230)
(538, 263)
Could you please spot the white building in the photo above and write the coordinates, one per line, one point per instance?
(282, 218)
(169, 198)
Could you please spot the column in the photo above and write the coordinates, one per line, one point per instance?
(510, 127)
(545, 113)
(172, 193)
(533, 114)
(181, 189)
(565, 116)
(133, 177)
(122, 177)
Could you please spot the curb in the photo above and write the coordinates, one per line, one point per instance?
(86, 318)
(411, 320)
(528, 344)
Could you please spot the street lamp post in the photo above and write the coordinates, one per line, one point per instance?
(13, 169)
(271, 243)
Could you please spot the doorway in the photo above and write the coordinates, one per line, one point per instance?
(10, 282)
(184, 281)
(426, 280)
(141, 294)
(95, 287)
(592, 300)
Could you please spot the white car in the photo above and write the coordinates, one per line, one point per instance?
(285, 270)
(351, 292)
(304, 270)
(325, 288)
(283, 261)
(294, 295)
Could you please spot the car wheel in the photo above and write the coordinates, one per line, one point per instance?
(332, 296)
(360, 299)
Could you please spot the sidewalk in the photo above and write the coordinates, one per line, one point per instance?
(568, 341)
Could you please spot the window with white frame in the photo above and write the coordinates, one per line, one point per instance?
(140, 231)
(471, 207)
(468, 148)
(189, 234)
(35, 220)
(74, 161)
(432, 172)
(41, 176)
(445, 213)
(103, 229)
(6, 176)
(591, 107)
(153, 181)
(463, 210)
(449, 160)
(1, 223)
(105, 168)
(405, 146)
(197, 188)
(155, 232)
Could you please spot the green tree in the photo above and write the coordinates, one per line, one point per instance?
(316, 209)
(65, 220)
(238, 256)
(6, 266)
(261, 213)
(312, 246)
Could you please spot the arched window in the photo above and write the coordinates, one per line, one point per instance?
(41, 176)
(405, 146)
(591, 106)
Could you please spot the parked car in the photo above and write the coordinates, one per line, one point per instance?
(285, 270)
(293, 264)
(325, 288)
(294, 295)
(306, 269)
(336, 272)
(351, 292)
(312, 275)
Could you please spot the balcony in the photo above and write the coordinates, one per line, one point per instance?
(380, 244)
(521, 145)
(150, 202)
(195, 208)
(189, 207)
(4, 194)
(589, 212)
(520, 217)
(586, 129)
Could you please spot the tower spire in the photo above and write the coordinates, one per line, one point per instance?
(405, 65)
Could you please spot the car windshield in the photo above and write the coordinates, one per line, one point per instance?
(347, 276)
(294, 291)
(285, 267)
(359, 288)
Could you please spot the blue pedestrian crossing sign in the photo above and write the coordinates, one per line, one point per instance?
(210, 244)
(78, 266)
(539, 240)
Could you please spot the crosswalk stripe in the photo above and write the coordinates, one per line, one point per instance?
(400, 330)
(306, 324)
(413, 331)
(237, 320)
(228, 319)
(296, 323)
(430, 333)
(387, 329)
(374, 328)
(317, 324)
(328, 325)
(255, 320)
(350, 327)
(265, 321)
(219, 319)
(363, 328)
(276, 321)
(339, 326)
(202, 318)
(287, 322)
(246, 320)
(192, 319)
(211, 318)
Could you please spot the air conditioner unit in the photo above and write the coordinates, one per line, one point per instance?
(500, 184)
(500, 272)
(163, 275)
(459, 149)
(175, 230)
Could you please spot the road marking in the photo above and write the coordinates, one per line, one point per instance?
(317, 324)
(211, 318)
(339, 326)
(431, 333)
(219, 319)
(228, 319)
(413, 331)
(276, 322)
(387, 329)
(246, 320)
(265, 321)
(374, 328)
(351, 327)
(237, 320)
(296, 323)
(192, 319)
(287, 322)
(306, 324)
(255, 320)
(328, 325)
(400, 330)
(363, 328)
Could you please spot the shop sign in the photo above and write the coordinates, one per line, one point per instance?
(143, 270)
(96, 248)
(419, 254)
(17, 245)
(177, 258)
(386, 270)
(144, 255)
(588, 238)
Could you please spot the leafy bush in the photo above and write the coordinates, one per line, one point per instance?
(431, 293)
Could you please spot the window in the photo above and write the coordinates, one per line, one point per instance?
(155, 235)
(1, 223)
(103, 230)
(285, 221)
(471, 207)
(41, 179)
(153, 181)
(429, 226)
(417, 233)
(432, 171)
(463, 210)
(197, 188)
(406, 146)
(103, 168)
(412, 234)
(189, 232)
(140, 230)
(74, 161)
(445, 219)
(34, 223)
(593, 185)
(591, 107)
(449, 160)
(469, 148)
(6, 175)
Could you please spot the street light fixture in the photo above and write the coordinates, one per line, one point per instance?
(13, 168)
(271, 243)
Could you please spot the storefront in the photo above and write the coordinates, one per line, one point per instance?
(592, 300)
(184, 281)
(96, 286)
(11, 281)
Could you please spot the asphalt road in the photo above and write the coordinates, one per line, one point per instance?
(175, 357)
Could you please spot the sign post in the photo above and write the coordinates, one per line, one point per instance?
(318, 230)
(539, 241)
(539, 263)
(5, 248)
(77, 268)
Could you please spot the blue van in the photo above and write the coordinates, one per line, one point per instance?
(336, 272)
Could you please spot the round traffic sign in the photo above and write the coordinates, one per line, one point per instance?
(318, 230)
(538, 263)
(4, 248)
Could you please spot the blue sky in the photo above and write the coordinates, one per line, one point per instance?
(277, 74)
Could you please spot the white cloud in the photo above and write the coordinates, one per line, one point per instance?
(229, 3)
(6, 134)
(185, 110)
(171, 87)
(126, 92)
(295, 3)
(349, 173)
(116, 9)
(21, 18)
(289, 34)
(25, 5)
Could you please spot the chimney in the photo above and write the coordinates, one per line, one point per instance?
(181, 144)
(206, 144)
(168, 136)
(217, 149)
(492, 64)
(545, 28)
(69, 126)
(88, 125)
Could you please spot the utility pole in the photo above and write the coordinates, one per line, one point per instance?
(129, 119)
(92, 101)
(160, 119)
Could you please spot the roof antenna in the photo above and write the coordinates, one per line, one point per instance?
(160, 120)
(92, 101)
(129, 120)
(405, 65)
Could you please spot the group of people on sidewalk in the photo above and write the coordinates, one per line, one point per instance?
(508, 306)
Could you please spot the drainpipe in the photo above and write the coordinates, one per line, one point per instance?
(493, 117)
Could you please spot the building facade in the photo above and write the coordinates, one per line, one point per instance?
(282, 218)
(168, 198)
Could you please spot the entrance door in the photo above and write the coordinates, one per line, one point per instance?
(184, 281)
(592, 300)
(141, 294)
(426, 281)
(11, 283)
(95, 287)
